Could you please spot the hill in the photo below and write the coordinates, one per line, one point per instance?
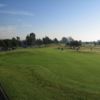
(50, 74)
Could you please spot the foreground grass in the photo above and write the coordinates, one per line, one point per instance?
(50, 74)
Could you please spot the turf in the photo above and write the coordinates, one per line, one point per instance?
(50, 74)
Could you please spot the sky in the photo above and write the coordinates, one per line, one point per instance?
(79, 19)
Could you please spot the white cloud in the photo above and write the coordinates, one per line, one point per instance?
(2, 5)
(22, 13)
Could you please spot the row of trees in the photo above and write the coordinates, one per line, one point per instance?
(8, 44)
(31, 40)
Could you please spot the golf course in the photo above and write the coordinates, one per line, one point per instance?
(50, 74)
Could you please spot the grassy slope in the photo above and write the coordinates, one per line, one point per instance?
(50, 74)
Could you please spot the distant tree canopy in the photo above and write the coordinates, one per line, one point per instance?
(74, 44)
(9, 44)
(4, 44)
(66, 40)
(39, 42)
(14, 42)
(30, 39)
(55, 40)
(47, 40)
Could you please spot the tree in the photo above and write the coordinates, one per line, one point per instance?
(6, 44)
(2, 44)
(18, 41)
(30, 39)
(47, 40)
(18, 38)
(64, 40)
(39, 42)
(14, 42)
(55, 40)
(75, 44)
(67, 40)
(70, 39)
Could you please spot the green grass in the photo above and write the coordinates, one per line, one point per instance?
(50, 74)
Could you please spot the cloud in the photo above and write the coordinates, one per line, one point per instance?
(2, 5)
(21, 13)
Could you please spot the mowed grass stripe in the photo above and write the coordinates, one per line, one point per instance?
(50, 74)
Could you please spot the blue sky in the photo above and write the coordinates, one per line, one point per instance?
(54, 18)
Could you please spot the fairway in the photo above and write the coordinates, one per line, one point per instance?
(50, 74)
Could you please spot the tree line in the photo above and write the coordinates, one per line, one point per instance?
(31, 40)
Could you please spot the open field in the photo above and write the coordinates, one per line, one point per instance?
(50, 74)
